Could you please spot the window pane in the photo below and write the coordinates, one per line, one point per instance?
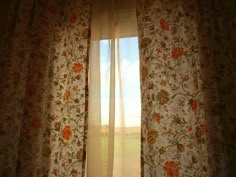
(127, 147)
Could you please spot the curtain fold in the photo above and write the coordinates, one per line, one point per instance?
(218, 38)
(44, 66)
(186, 49)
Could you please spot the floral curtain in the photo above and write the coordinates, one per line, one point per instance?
(43, 89)
(187, 51)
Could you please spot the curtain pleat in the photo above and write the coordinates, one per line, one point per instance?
(44, 88)
(217, 52)
(185, 51)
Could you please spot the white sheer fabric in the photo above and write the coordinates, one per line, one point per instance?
(111, 21)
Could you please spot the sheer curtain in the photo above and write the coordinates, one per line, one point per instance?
(111, 21)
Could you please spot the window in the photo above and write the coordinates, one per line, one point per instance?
(126, 147)
(114, 92)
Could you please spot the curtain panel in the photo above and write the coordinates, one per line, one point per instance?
(187, 51)
(44, 69)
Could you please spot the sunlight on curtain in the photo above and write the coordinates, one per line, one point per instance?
(114, 92)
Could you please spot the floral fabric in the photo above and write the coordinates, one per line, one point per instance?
(43, 89)
(184, 130)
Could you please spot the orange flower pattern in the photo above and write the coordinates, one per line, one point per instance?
(180, 147)
(164, 25)
(193, 104)
(171, 168)
(177, 53)
(178, 90)
(157, 118)
(77, 67)
(43, 116)
(66, 132)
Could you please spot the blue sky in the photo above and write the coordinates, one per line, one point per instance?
(129, 58)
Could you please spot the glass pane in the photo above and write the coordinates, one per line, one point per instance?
(127, 147)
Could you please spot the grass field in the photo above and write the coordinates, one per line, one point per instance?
(131, 161)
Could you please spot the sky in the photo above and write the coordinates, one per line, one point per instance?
(129, 58)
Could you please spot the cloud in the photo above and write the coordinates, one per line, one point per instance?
(130, 82)
(131, 88)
